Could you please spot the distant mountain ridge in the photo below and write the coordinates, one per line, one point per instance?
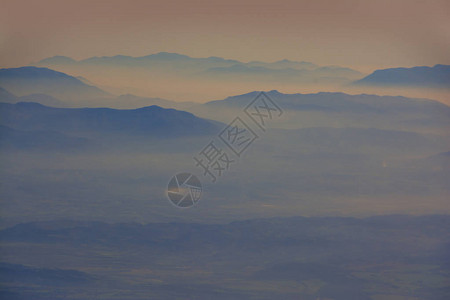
(161, 56)
(433, 77)
(35, 80)
(125, 101)
(336, 101)
(43, 99)
(212, 66)
(334, 109)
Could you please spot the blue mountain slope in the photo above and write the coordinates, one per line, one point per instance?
(437, 76)
(341, 110)
(6, 96)
(339, 102)
(33, 80)
(152, 120)
(42, 99)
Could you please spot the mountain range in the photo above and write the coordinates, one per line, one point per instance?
(429, 77)
(338, 102)
(33, 80)
(216, 68)
(181, 61)
(43, 99)
(220, 68)
(126, 101)
(340, 110)
(303, 110)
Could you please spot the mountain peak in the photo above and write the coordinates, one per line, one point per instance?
(167, 56)
(285, 61)
(58, 59)
(274, 92)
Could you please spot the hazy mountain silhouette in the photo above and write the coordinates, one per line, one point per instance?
(181, 77)
(165, 58)
(430, 77)
(283, 64)
(214, 66)
(152, 120)
(340, 110)
(6, 96)
(33, 80)
(43, 99)
(327, 101)
(286, 74)
(127, 101)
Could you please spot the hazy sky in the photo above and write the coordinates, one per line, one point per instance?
(361, 34)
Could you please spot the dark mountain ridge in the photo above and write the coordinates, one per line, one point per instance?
(152, 120)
